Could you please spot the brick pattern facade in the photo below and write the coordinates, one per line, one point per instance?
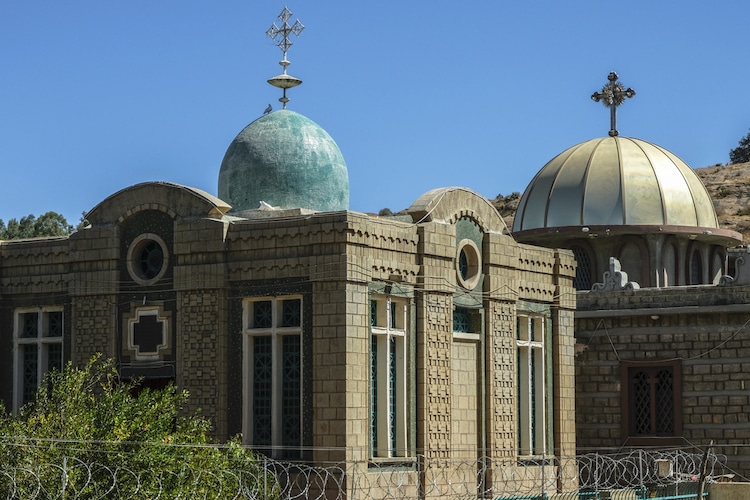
(201, 362)
(434, 375)
(501, 435)
(461, 392)
(704, 328)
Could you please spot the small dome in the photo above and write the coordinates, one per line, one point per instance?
(615, 181)
(286, 160)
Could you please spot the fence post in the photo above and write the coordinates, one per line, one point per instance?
(704, 466)
(640, 468)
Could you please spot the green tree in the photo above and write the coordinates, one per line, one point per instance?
(741, 153)
(89, 431)
(49, 224)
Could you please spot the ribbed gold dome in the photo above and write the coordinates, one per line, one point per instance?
(615, 181)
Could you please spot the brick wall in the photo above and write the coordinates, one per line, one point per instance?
(704, 328)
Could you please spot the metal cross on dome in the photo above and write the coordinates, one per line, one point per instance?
(613, 95)
(280, 34)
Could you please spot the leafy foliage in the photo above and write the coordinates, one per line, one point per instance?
(741, 153)
(49, 224)
(91, 416)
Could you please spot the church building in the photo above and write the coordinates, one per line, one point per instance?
(613, 314)
(319, 333)
(663, 295)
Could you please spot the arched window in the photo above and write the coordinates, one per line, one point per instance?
(696, 267)
(584, 270)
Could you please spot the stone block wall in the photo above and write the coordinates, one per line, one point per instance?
(704, 329)
(202, 344)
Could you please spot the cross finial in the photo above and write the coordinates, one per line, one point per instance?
(280, 35)
(613, 95)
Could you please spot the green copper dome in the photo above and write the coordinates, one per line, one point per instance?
(285, 160)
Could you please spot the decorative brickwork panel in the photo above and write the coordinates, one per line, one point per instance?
(502, 378)
(93, 327)
(434, 368)
(202, 347)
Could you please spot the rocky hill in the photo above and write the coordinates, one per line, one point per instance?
(728, 185)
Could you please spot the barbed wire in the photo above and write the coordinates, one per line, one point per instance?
(485, 476)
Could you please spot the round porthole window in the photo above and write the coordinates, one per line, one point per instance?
(147, 259)
(468, 264)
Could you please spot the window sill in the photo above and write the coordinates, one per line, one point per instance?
(653, 441)
(392, 462)
(531, 460)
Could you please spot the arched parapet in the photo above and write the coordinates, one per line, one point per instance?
(180, 202)
(449, 204)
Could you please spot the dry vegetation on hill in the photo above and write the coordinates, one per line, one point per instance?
(729, 187)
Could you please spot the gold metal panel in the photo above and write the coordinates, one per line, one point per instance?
(643, 200)
(678, 200)
(702, 203)
(566, 199)
(603, 196)
(533, 208)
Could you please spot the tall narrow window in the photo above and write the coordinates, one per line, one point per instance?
(388, 415)
(696, 267)
(532, 425)
(38, 349)
(582, 281)
(273, 360)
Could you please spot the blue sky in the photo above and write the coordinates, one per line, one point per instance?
(99, 95)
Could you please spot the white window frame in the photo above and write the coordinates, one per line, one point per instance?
(391, 325)
(41, 341)
(277, 334)
(532, 424)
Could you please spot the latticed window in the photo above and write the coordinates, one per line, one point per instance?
(532, 383)
(584, 271)
(273, 357)
(467, 321)
(651, 400)
(388, 414)
(39, 349)
(461, 320)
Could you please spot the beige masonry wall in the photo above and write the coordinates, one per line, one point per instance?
(703, 328)
(462, 396)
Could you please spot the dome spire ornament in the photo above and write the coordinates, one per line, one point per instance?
(280, 35)
(613, 95)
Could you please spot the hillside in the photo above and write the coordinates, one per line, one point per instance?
(729, 187)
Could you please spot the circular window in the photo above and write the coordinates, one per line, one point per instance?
(147, 259)
(468, 264)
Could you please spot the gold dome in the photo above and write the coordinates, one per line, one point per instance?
(614, 181)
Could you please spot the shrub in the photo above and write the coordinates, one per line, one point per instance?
(88, 431)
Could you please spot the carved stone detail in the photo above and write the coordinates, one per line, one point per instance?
(615, 279)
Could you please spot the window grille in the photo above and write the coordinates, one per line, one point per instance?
(274, 359)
